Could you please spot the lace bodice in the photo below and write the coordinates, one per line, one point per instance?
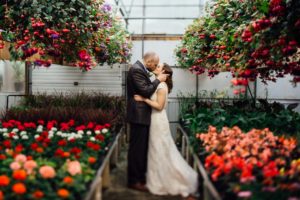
(162, 86)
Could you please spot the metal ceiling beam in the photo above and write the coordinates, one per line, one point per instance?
(165, 5)
(162, 18)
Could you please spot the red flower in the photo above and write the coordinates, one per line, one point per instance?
(62, 143)
(34, 146)
(107, 125)
(21, 128)
(45, 134)
(39, 139)
(75, 150)
(89, 144)
(90, 125)
(7, 144)
(80, 128)
(38, 194)
(96, 147)
(59, 152)
(64, 126)
(19, 148)
(11, 135)
(2, 157)
(98, 127)
(72, 140)
(71, 122)
(270, 170)
(100, 137)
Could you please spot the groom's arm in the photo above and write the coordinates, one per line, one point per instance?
(144, 88)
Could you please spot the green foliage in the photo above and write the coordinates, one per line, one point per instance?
(244, 114)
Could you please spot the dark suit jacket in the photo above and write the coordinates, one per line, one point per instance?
(138, 82)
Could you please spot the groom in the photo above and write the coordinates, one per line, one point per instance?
(138, 116)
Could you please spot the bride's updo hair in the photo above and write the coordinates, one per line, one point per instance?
(169, 80)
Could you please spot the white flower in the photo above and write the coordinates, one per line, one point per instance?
(23, 133)
(50, 135)
(79, 136)
(39, 128)
(97, 132)
(15, 137)
(92, 138)
(58, 133)
(89, 132)
(15, 130)
(51, 132)
(36, 136)
(105, 130)
(25, 137)
(53, 129)
(80, 132)
(5, 134)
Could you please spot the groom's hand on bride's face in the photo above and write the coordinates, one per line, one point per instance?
(162, 77)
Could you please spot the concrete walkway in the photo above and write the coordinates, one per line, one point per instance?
(118, 189)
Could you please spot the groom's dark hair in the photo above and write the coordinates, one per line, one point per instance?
(169, 81)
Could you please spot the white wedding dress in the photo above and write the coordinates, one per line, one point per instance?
(167, 171)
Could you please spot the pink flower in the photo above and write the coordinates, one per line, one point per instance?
(244, 194)
(20, 158)
(74, 167)
(47, 172)
(15, 165)
(30, 165)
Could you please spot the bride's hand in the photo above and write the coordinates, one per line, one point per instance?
(139, 98)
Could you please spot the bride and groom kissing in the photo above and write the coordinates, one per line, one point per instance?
(154, 163)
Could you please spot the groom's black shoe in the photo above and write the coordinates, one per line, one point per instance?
(139, 187)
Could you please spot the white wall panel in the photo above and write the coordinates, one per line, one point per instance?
(59, 78)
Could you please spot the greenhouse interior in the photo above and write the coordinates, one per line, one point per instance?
(150, 99)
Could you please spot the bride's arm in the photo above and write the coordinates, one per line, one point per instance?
(158, 104)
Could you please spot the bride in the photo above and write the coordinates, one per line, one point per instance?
(167, 171)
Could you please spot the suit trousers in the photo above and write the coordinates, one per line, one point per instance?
(137, 153)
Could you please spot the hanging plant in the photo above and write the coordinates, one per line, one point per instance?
(247, 38)
(57, 31)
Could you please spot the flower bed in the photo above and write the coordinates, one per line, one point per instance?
(253, 165)
(50, 160)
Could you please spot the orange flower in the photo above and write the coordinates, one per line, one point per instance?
(1, 195)
(68, 180)
(20, 174)
(66, 154)
(38, 194)
(19, 188)
(92, 160)
(39, 150)
(4, 180)
(63, 193)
